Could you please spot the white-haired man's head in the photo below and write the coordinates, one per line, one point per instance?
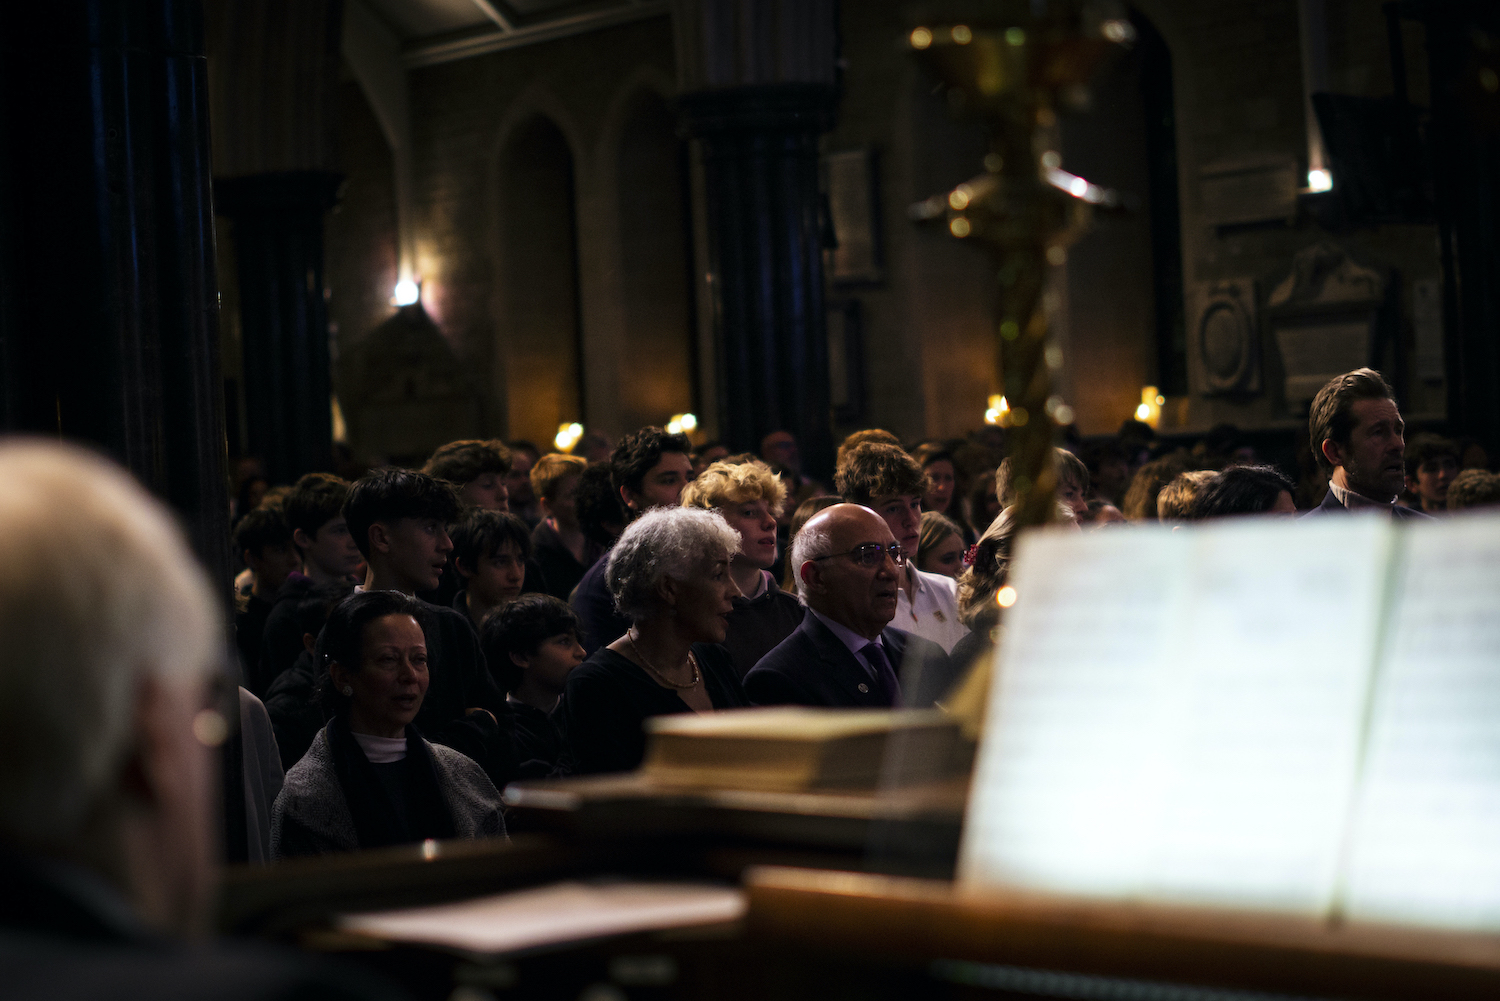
(108, 633)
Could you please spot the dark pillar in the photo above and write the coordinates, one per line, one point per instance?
(108, 294)
(1463, 38)
(760, 164)
(278, 242)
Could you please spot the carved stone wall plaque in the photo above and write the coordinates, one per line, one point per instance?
(1325, 316)
(1249, 189)
(1224, 338)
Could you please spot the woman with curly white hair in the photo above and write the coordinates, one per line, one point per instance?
(669, 575)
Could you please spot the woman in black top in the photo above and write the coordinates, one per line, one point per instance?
(369, 779)
(669, 575)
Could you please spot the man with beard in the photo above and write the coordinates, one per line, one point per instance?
(1358, 438)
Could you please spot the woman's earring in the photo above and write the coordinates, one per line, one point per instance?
(348, 689)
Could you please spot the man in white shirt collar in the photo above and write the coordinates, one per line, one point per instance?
(1358, 437)
(887, 480)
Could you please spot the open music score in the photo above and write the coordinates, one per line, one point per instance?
(1277, 715)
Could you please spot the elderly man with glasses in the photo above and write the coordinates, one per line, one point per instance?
(845, 653)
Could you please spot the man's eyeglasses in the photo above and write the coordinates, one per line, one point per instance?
(872, 554)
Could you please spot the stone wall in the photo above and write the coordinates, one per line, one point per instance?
(617, 345)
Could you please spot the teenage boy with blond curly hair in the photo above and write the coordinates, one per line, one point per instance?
(750, 497)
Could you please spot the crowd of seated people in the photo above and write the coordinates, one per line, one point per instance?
(670, 579)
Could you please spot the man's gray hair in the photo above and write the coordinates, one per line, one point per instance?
(676, 542)
(98, 592)
(813, 540)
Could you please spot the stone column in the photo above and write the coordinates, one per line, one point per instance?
(108, 292)
(1464, 135)
(278, 241)
(274, 85)
(758, 90)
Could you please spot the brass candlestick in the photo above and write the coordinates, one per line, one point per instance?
(1025, 209)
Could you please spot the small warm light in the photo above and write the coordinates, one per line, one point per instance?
(1149, 412)
(962, 35)
(1056, 255)
(1010, 330)
(998, 412)
(960, 197)
(682, 424)
(921, 38)
(960, 227)
(1006, 596)
(210, 727)
(1052, 159)
(1019, 417)
(1015, 36)
(1078, 187)
(567, 436)
(1118, 31)
(1319, 180)
(430, 849)
(1059, 411)
(407, 292)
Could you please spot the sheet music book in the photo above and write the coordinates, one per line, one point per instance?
(1281, 715)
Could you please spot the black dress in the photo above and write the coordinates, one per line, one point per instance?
(608, 699)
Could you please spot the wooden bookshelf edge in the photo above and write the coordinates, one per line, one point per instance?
(916, 921)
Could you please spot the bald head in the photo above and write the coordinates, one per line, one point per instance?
(830, 577)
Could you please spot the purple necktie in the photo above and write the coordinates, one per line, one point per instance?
(884, 674)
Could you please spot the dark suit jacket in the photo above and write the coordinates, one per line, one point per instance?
(602, 624)
(64, 935)
(1331, 505)
(813, 667)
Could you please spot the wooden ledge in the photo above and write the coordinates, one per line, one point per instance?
(916, 921)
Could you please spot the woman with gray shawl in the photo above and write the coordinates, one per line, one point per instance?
(370, 780)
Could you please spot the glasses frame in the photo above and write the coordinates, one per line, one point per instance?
(897, 553)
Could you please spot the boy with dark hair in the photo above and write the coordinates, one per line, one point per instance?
(315, 515)
(532, 645)
(264, 541)
(1431, 465)
(490, 550)
(399, 519)
(314, 511)
(477, 469)
(648, 470)
(601, 516)
(883, 477)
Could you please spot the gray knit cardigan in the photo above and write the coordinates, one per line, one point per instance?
(312, 817)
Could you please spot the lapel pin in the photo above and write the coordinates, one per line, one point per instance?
(864, 688)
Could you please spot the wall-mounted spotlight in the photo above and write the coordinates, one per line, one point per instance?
(407, 293)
